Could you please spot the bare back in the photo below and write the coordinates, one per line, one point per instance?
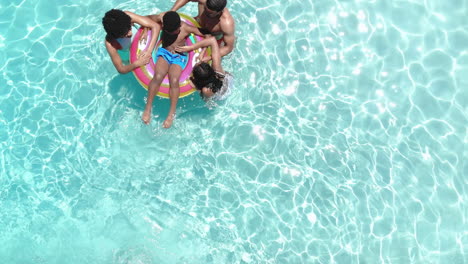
(173, 42)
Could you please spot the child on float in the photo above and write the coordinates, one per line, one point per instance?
(118, 26)
(169, 61)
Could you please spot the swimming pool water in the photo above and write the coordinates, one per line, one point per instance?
(344, 140)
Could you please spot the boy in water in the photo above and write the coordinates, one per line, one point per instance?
(169, 61)
(214, 19)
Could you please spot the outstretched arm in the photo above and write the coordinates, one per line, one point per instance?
(117, 61)
(192, 29)
(149, 23)
(215, 53)
(180, 3)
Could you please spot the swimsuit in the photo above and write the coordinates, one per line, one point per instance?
(180, 59)
(124, 43)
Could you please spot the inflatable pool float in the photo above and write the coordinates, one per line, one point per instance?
(144, 74)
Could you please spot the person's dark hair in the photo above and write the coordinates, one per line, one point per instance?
(116, 23)
(171, 21)
(216, 5)
(205, 76)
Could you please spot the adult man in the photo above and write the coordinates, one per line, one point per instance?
(214, 19)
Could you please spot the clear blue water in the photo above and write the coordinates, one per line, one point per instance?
(344, 140)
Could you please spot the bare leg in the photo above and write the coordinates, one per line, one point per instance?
(160, 70)
(174, 75)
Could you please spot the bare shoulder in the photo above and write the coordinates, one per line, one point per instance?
(227, 21)
(185, 26)
(110, 48)
(108, 44)
(227, 17)
(157, 17)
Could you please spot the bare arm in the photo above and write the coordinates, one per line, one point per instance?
(215, 52)
(149, 23)
(117, 61)
(229, 38)
(180, 3)
(229, 45)
(194, 30)
(215, 55)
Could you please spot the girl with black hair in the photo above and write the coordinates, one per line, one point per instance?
(212, 81)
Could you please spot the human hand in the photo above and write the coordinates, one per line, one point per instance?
(143, 59)
(202, 56)
(182, 48)
(144, 53)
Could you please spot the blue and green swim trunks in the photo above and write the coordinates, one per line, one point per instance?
(173, 58)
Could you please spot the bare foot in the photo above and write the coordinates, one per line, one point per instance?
(146, 117)
(168, 122)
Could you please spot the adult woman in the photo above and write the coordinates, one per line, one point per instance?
(212, 81)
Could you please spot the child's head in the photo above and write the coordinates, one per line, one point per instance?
(117, 24)
(205, 79)
(171, 22)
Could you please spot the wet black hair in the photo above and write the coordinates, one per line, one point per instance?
(116, 23)
(171, 21)
(203, 75)
(216, 5)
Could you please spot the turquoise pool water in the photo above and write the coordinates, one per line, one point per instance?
(344, 140)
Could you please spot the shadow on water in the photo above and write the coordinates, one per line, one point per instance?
(126, 87)
(126, 90)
